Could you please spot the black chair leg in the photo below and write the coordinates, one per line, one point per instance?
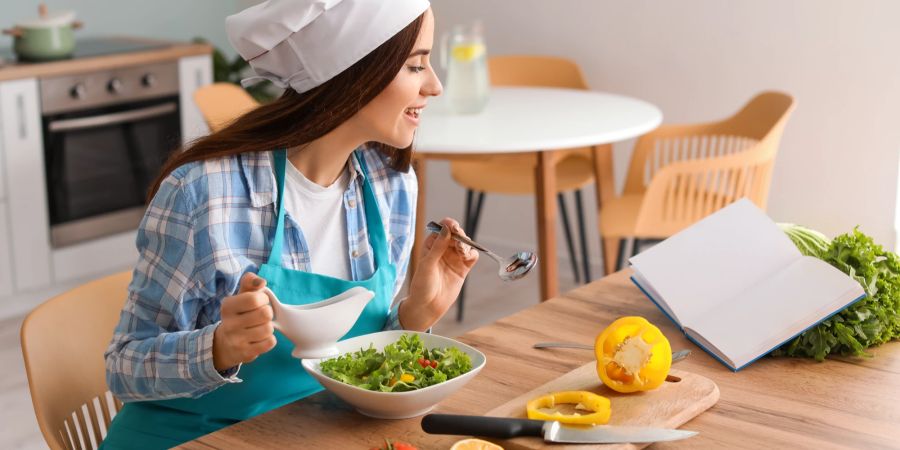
(467, 210)
(472, 227)
(620, 260)
(602, 248)
(582, 236)
(635, 249)
(567, 229)
(471, 215)
(638, 243)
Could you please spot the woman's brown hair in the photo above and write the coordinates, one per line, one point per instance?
(296, 119)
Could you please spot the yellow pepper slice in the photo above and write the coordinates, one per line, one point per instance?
(599, 406)
(632, 355)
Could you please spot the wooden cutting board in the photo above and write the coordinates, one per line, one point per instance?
(668, 406)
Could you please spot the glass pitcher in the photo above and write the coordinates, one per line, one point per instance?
(464, 57)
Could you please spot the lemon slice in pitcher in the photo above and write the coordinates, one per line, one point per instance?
(467, 52)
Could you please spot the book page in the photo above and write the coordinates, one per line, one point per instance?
(654, 296)
(715, 259)
(773, 311)
(708, 347)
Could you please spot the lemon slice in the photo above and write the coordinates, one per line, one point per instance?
(467, 52)
(475, 444)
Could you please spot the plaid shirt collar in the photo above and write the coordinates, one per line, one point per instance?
(259, 173)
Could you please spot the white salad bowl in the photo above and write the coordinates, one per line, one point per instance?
(395, 405)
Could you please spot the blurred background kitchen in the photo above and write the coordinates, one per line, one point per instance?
(838, 164)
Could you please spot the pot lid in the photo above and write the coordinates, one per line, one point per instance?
(46, 20)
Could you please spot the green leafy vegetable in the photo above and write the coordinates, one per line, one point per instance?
(809, 242)
(871, 321)
(405, 365)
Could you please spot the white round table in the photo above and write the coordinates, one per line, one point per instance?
(541, 120)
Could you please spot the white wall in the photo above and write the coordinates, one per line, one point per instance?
(700, 60)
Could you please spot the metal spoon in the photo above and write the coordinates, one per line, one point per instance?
(562, 345)
(512, 268)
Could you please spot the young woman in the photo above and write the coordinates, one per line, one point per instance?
(309, 195)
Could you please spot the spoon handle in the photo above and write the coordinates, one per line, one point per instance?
(562, 345)
(435, 227)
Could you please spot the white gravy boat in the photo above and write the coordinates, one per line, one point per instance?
(315, 328)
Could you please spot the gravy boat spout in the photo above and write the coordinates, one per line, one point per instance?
(315, 328)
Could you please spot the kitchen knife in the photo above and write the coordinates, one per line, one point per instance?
(551, 431)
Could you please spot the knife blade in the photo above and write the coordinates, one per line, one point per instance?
(550, 431)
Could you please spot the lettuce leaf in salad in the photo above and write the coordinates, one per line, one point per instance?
(399, 368)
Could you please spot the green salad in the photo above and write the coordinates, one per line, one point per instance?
(405, 365)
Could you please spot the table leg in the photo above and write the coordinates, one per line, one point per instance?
(605, 185)
(418, 164)
(546, 223)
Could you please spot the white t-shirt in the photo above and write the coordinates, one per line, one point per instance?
(320, 213)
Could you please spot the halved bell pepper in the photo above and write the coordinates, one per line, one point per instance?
(598, 405)
(632, 355)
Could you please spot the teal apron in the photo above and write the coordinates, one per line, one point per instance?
(274, 378)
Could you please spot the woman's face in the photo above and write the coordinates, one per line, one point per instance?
(393, 116)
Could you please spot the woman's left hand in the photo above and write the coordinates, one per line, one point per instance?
(438, 278)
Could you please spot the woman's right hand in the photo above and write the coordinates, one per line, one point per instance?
(246, 330)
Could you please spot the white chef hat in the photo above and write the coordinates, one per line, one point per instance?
(304, 43)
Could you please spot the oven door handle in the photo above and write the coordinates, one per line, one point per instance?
(84, 123)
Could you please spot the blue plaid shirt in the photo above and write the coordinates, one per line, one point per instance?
(211, 222)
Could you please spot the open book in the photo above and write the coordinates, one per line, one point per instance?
(738, 287)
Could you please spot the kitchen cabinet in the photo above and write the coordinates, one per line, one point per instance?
(83, 260)
(194, 72)
(6, 281)
(26, 205)
(3, 180)
(28, 260)
(6, 286)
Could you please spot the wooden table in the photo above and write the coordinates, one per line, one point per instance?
(775, 403)
(534, 120)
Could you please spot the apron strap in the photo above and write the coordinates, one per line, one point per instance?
(377, 236)
(278, 243)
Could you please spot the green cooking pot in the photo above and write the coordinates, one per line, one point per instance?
(49, 37)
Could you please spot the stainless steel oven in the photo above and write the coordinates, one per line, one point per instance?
(106, 135)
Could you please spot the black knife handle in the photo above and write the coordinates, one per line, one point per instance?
(496, 427)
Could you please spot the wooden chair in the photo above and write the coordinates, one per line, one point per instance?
(221, 103)
(514, 174)
(679, 174)
(63, 341)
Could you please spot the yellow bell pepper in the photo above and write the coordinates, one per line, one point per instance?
(632, 355)
(406, 378)
(598, 405)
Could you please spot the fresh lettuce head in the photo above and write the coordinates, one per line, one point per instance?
(871, 321)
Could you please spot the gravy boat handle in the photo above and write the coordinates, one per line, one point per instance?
(276, 305)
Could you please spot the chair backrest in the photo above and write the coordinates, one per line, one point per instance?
(63, 341)
(689, 172)
(221, 103)
(535, 71)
